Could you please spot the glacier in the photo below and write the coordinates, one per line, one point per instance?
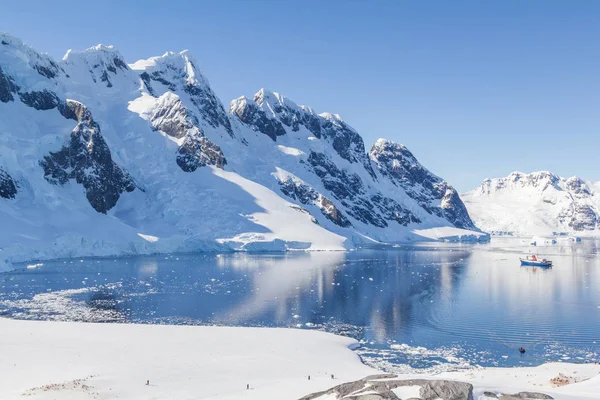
(99, 157)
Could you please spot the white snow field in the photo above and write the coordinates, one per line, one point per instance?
(73, 361)
(177, 171)
(539, 203)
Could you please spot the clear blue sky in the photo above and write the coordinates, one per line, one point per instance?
(475, 89)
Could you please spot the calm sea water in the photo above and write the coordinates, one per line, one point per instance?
(427, 307)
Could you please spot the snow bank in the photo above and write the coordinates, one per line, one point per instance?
(67, 360)
(56, 360)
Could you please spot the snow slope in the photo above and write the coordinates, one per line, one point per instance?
(67, 360)
(536, 204)
(99, 157)
(49, 360)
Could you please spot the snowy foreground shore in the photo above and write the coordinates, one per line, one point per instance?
(60, 360)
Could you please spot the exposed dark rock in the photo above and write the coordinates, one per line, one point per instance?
(5, 43)
(259, 121)
(119, 63)
(43, 100)
(446, 390)
(433, 194)
(382, 388)
(7, 87)
(454, 209)
(87, 160)
(104, 78)
(172, 118)
(307, 195)
(50, 71)
(341, 183)
(47, 100)
(392, 211)
(8, 186)
(197, 151)
(345, 140)
(490, 395)
(147, 82)
(157, 76)
(584, 218)
(526, 396)
(348, 187)
(209, 106)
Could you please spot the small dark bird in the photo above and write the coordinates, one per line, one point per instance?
(148, 382)
(521, 350)
(309, 377)
(247, 386)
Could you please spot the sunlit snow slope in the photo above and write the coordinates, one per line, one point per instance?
(101, 157)
(537, 203)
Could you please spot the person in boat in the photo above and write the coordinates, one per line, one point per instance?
(521, 350)
(533, 258)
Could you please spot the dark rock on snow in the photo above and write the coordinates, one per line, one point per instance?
(87, 159)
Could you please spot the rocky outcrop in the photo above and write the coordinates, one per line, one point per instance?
(87, 159)
(380, 387)
(177, 72)
(525, 396)
(333, 177)
(170, 116)
(269, 112)
(250, 114)
(197, 151)
(352, 185)
(396, 163)
(7, 87)
(307, 195)
(8, 186)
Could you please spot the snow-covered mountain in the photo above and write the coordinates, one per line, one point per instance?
(101, 157)
(536, 203)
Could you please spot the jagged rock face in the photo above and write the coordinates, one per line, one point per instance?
(162, 110)
(348, 189)
(178, 72)
(579, 217)
(381, 387)
(170, 116)
(253, 116)
(454, 210)
(197, 151)
(307, 195)
(392, 211)
(355, 193)
(269, 112)
(433, 194)
(7, 87)
(8, 187)
(87, 160)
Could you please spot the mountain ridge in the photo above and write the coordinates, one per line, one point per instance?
(536, 203)
(150, 146)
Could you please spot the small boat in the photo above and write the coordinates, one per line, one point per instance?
(534, 261)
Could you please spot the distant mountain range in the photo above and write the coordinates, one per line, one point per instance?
(536, 203)
(101, 157)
